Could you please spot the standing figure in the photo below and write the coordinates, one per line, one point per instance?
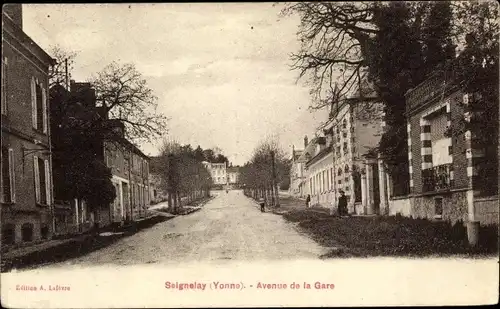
(342, 205)
(308, 200)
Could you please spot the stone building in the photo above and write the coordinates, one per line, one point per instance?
(341, 157)
(444, 179)
(130, 177)
(26, 181)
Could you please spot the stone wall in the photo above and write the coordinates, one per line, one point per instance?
(454, 206)
(486, 210)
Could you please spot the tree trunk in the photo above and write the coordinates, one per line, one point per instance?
(169, 198)
(271, 191)
(174, 197)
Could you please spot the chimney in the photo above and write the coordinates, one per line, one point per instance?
(305, 142)
(84, 93)
(15, 12)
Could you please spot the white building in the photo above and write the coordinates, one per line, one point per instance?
(233, 175)
(218, 171)
(338, 155)
(298, 176)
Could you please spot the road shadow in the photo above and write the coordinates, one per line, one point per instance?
(77, 247)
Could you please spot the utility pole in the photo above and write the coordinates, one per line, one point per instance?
(66, 73)
(274, 183)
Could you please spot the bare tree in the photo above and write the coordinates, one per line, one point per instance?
(60, 73)
(333, 37)
(125, 96)
(258, 176)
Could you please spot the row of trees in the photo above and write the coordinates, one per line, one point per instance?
(82, 120)
(182, 172)
(267, 170)
(396, 45)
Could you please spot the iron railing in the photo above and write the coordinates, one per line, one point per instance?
(437, 178)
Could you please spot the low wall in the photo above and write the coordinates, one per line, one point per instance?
(454, 206)
(400, 205)
(486, 210)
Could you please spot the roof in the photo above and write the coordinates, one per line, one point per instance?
(296, 154)
(323, 153)
(12, 28)
(233, 169)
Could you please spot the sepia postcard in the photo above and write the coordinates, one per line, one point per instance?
(190, 155)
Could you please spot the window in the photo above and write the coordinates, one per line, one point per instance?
(344, 124)
(42, 180)
(8, 234)
(438, 207)
(4, 86)
(8, 180)
(44, 231)
(27, 232)
(38, 106)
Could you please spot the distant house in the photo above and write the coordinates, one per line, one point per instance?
(218, 171)
(26, 182)
(297, 173)
(233, 176)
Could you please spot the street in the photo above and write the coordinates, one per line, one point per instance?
(229, 227)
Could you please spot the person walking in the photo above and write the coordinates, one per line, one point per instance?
(342, 204)
(308, 200)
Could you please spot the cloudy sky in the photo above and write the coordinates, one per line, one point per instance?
(220, 71)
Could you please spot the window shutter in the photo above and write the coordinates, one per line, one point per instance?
(47, 182)
(4, 86)
(37, 178)
(44, 105)
(33, 102)
(12, 176)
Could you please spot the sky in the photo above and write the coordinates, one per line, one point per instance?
(220, 71)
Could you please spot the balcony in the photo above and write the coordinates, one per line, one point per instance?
(436, 179)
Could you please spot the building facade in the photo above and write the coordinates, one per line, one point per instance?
(444, 180)
(340, 156)
(233, 176)
(297, 174)
(156, 192)
(26, 181)
(130, 177)
(218, 171)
